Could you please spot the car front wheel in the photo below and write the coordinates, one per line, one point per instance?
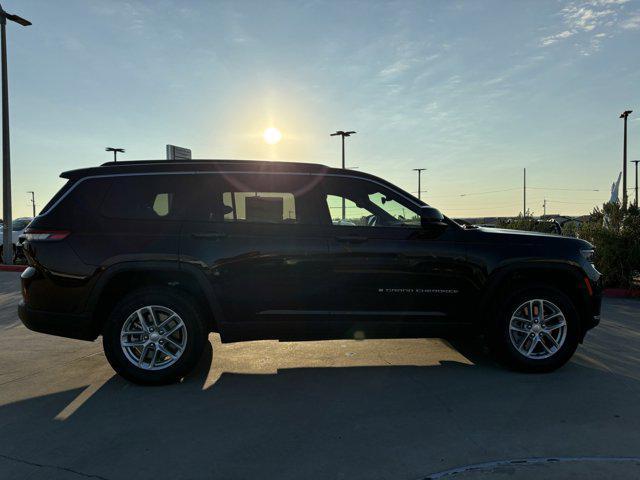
(154, 336)
(537, 330)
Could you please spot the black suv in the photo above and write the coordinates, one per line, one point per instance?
(154, 255)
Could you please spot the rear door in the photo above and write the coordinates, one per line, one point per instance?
(258, 239)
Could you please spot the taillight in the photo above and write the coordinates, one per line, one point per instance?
(45, 235)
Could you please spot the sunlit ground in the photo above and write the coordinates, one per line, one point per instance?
(368, 409)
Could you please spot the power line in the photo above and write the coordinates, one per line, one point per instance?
(567, 189)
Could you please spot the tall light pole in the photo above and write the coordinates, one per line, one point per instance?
(343, 134)
(7, 248)
(33, 202)
(115, 152)
(636, 162)
(524, 194)
(419, 170)
(624, 115)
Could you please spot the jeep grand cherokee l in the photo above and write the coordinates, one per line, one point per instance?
(154, 255)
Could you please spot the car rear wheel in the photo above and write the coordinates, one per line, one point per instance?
(154, 336)
(536, 330)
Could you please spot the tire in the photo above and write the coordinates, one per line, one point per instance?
(161, 364)
(507, 338)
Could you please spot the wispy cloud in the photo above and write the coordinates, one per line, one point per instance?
(632, 22)
(590, 22)
(551, 39)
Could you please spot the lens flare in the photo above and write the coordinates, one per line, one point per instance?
(272, 135)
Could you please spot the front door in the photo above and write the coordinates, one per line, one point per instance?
(385, 266)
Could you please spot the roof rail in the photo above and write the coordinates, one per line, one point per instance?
(202, 161)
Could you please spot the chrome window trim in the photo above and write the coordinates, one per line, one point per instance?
(196, 172)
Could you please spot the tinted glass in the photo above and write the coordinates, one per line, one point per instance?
(251, 198)
(366, 204)
(20, 224)
(145, 197)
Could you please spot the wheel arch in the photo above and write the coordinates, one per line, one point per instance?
(564, 277)
(116, 280)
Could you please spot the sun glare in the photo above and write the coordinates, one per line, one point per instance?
(272, 135)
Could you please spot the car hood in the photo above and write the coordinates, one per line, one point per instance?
(529, 238)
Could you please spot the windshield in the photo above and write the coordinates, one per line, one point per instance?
(20, 224)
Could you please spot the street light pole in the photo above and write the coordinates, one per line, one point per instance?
(7, 243)
(33, 202)
(624, 115)
(419, 170)
(343, 134)
(115, 152)
(524, 193)
(636, 162)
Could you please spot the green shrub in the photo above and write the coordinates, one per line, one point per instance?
(615, 233)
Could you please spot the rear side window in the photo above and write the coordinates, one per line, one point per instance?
(144, 197)
(57, 196)
(269, 207)
(254, 198)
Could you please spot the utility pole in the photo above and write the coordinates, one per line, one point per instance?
(115, 152)
(624, 115)
(33, 202)
(524, 194)
(7, 244)
(343, 134)
(544, 208)
(636, 162)
(419, 170)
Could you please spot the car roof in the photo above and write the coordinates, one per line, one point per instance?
(253, 166)
(143, 166)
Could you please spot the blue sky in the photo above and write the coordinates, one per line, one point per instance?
(473, 91)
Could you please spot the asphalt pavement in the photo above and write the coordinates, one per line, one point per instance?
(373, 409)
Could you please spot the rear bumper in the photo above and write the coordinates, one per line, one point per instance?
(60, 324)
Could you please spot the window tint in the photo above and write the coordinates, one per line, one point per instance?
(20, 224)
(271, 207)
(251, 198)
(65, 188)
(144, 197)
(367, 204)
(354, 215)
(395, 209)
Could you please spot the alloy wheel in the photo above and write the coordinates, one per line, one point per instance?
(153, 337)
(537, 329)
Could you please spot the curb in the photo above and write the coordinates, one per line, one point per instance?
(13, 268)
(621, 292)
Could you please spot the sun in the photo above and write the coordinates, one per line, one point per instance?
(272, 135)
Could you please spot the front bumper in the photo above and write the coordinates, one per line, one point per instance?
(60, 324)
(593, 305)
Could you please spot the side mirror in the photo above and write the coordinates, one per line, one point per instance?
(432, 218)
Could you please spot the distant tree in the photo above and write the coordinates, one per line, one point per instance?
(526, 223)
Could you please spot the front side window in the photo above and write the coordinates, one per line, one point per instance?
(360, 203)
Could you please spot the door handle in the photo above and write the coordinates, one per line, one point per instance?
(351, 239)
(209, 236)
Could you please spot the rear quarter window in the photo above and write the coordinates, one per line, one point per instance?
(144, 197)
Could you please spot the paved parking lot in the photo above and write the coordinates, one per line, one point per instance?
(383, 409)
